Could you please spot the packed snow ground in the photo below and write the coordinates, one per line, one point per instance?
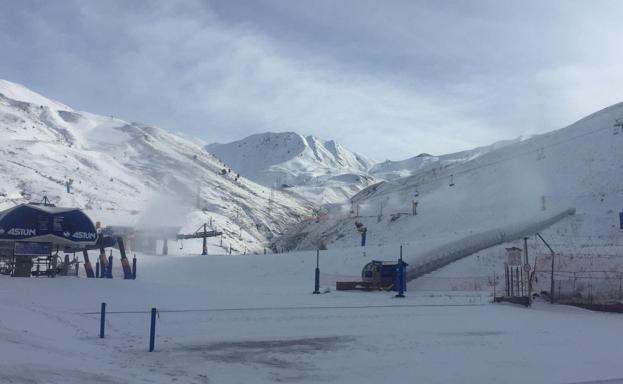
(257, 321)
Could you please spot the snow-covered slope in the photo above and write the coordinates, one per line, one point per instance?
(322, 171)
(390, 170)
(580, 166)
(129, 173)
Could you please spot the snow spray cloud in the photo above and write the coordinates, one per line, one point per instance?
(164, 211)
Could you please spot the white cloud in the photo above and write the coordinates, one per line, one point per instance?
(389, 82)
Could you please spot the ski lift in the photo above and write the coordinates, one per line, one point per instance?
(452, 180)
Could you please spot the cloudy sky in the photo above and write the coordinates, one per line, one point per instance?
(389, 79)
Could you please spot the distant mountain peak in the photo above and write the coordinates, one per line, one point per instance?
(288, 158)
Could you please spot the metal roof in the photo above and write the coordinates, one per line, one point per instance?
(41, 223)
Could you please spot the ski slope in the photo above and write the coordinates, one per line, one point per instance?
(464, 205)
(579, 167)
(127, 173)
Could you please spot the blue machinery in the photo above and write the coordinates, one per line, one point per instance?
(379, 275)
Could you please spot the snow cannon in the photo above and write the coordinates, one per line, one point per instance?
(383, 274)
(375, 276)
(363, 230)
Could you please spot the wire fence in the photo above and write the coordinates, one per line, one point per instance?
(583, 287)
(580, 278)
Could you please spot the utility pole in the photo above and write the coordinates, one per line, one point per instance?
(205, 240)
(551, 287)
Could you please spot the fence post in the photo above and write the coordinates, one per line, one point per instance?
(317, 273)
(152, 330)
(512, 282)
(506, 282)
(494, 283)
(102, 320)
(590, 289)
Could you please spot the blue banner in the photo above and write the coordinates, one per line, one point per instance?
(28, 221)
(29, 248)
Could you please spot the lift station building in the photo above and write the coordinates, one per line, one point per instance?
(30, 232)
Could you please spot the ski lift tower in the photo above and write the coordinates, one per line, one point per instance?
(201, 234)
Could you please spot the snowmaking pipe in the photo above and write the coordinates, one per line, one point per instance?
(441, 256)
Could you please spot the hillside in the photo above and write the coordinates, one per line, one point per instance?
(391, 170)
(578, 167)
(130, 174)
(321, 171)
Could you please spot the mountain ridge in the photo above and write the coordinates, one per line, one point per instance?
(125, 173)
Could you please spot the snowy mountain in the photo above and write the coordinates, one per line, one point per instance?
(390, 170)
(126, 173)
(321, 171)
(463, 195)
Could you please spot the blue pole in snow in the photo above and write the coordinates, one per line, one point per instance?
(317, 274)
(109, 274)
(152, 330)
(134, 268)
(401, 277)
(363, 237)
(102, 320)
(97, 269)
